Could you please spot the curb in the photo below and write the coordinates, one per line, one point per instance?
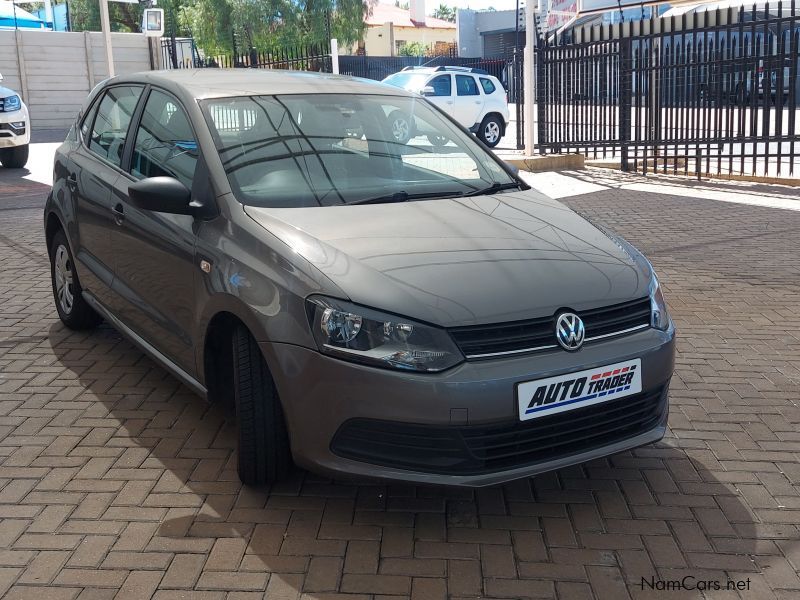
(547, 162)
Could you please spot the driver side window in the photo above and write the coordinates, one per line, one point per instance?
(165, 144)
(441, 85)
(110, 126)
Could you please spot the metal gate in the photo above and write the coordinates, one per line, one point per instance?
(711, 93)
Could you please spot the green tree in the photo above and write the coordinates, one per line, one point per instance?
(446, 13)
(412, 49)
(270, 25)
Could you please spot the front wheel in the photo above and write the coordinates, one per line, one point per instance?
(73, 310)
(491, 130)
(263, 442)
(438, 141)
(14, 158)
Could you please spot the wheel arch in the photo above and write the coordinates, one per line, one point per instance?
(52, 226)
(500, 118)
(214, 356)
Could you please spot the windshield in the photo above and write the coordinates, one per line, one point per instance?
(332, 149)
(407, 81)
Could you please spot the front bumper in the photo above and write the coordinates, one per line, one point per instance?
(11, 136)
(320, 394)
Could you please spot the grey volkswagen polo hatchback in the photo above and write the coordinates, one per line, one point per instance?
(374, 308)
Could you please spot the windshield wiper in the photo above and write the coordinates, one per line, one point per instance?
(495, 187)
(404, 196)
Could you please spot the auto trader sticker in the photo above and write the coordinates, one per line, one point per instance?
(574, 390)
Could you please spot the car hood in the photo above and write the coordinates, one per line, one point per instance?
(6, 92)
(486, 259)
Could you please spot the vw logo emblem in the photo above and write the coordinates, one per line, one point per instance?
(569, 331)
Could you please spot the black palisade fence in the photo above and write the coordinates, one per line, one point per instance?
(711, 93)
(311, 57)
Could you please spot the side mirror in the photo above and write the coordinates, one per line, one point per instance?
(512, 167)
(161, 194)
(428, 90)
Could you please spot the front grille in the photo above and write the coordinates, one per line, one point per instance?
(476, 449)
(483, 341)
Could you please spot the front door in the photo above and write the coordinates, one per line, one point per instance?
(442, 92)
(154, 251)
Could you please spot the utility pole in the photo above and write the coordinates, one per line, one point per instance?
(529, 90)
(105, 25)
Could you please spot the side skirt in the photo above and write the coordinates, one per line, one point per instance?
(146, 347)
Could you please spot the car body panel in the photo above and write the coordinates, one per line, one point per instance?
(465, 261)
(154, 270)
(320, 393)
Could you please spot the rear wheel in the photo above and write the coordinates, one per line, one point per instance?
(73, 310)
(263, 442)
(402, 127)
(14, 158)
(491, 130)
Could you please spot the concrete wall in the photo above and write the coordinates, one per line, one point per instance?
(469, 40)
(471, 25)
(54, 71)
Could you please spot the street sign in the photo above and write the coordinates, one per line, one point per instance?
(153, 22)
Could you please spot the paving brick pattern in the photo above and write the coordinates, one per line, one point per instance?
(117, 482)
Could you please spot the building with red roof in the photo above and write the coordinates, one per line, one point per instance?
(390, 28)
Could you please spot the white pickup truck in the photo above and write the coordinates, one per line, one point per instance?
(15, 129)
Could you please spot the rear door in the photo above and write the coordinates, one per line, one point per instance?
(92, 173)
(468, 104)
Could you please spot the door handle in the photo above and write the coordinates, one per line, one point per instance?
(477, 101)
(449, 102)
(119, 213)
(72, 182)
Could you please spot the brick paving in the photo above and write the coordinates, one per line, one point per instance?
(116, 481)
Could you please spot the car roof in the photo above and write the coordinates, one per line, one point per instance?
(225, 83)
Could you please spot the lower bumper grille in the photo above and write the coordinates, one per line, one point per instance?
(477, 449)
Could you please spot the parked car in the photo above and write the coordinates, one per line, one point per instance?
(370, 308)
(475, 99)
(15, 129)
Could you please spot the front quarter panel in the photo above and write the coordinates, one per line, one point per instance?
(255, 277)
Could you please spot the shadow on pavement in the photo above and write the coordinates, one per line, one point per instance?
(658, 511)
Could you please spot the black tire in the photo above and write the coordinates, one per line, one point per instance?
(14, 158)
(263, 442)
(491, 131)
(438, 141)
(73, 310)
(401, 126)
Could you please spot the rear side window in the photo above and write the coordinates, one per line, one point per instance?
(487, 85)
(114, 113)
(165, 145)
(466, 86)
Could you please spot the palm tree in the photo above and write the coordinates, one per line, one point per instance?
(446, 13)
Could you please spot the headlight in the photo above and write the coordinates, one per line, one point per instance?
(12, 103)
(367, 336)
(658, 308)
